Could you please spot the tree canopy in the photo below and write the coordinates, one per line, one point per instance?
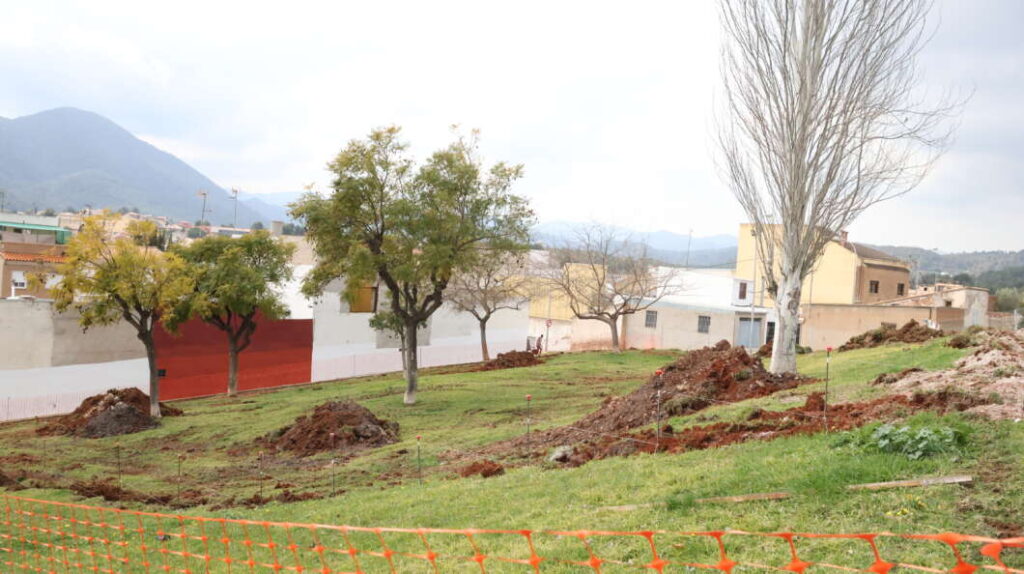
(408, 229)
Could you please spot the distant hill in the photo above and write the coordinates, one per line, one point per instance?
(73, 158)
(666, 246)
(974, 263)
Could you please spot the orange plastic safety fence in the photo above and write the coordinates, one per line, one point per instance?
(52, 537)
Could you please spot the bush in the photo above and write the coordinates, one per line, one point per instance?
(915, 439)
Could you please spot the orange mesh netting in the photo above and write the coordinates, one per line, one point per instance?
(41, 536)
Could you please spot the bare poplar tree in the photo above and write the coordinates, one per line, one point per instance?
(604, 276)
(824, 120)
(493, 283)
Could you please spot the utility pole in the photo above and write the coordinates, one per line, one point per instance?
(234, 220)
(3, 199)
(202, 216)
(689, 241)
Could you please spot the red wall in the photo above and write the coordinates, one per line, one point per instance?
(196, 359)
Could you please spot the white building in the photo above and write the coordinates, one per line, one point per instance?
(709, 305)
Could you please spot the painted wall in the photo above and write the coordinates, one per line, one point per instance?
(196, 360)
(33, 335)
(344, 345)
(889, 279)
(833, 325)
(677, 328)
(46, 391)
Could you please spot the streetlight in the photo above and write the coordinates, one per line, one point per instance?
(234, 220)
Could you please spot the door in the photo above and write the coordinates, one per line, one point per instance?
(749, 333)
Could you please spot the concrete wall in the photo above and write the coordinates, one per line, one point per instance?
(26, 334)
(677, 329)
(33, 335)
(46, 391)
(344, 345)
(833, 325)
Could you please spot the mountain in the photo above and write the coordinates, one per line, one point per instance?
(73, 158)
(274, 206)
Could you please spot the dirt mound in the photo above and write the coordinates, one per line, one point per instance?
(334, 425)
(696, 380)
(484, 468)
(767, 425)
(912, 332)
(115, 412)
(9, 483)
(890, 378)
(108, 490)
(995, 371)
(511, 360)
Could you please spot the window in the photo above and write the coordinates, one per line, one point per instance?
(873, 286)
(651, 319)
(365, 300)
(18, 280)
(901, 289)
(770, 332)
(743, 290)
(703, 324)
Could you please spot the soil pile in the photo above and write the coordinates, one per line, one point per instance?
(995, 371)
(810, 418)
(511, 360)
(335, 425)
(108, 490)
(9, 483)
(696, 380)
(484, 468)
(912, 332)
(115, 412)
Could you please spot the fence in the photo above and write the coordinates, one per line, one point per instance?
(20, 408)
(41, 536)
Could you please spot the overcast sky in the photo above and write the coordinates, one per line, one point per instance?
(608, 105)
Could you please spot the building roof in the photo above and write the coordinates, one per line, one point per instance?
(869, 252)
(33, 226)
(704, 290)
(32, 257)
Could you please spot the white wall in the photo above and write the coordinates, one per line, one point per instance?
(677, 328)
(344, 345)
(46, 391)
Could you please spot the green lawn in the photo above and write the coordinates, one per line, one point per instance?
(460, 411)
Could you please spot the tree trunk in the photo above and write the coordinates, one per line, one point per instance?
(788, 308)
(411, 366)
(154, 375)
(232, 366)
(614, 326)
(483, 340)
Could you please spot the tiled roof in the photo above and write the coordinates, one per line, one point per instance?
(32, 257)
(868, 252)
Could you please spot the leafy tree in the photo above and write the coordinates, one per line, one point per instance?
(490, 285)
(293, 229)
(234, 288)
(49, 212)
(409, 228)
(1008, 299)
(257, 226)
(963, 279)
(195, 233)
(107, 281)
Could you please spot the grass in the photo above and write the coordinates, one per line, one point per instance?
(461, 411)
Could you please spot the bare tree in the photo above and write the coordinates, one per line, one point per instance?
(824, 120)
(493, 283)
(604, 276)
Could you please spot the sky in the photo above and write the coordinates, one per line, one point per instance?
(609, 106)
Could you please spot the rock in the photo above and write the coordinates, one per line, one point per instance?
(561, 454)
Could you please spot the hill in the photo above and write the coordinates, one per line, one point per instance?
(67, 157)
(975, 262)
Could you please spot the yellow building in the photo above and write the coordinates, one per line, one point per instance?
(847, 274)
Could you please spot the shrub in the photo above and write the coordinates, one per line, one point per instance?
(915, 439)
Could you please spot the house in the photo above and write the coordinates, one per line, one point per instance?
(975, 301)
(24, 255)
(707, 306)
(847, 273)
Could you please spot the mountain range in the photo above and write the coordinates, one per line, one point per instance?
(70, 158)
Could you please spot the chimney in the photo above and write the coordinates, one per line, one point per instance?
(276, 228)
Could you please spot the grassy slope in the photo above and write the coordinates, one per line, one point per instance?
(460, 411)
